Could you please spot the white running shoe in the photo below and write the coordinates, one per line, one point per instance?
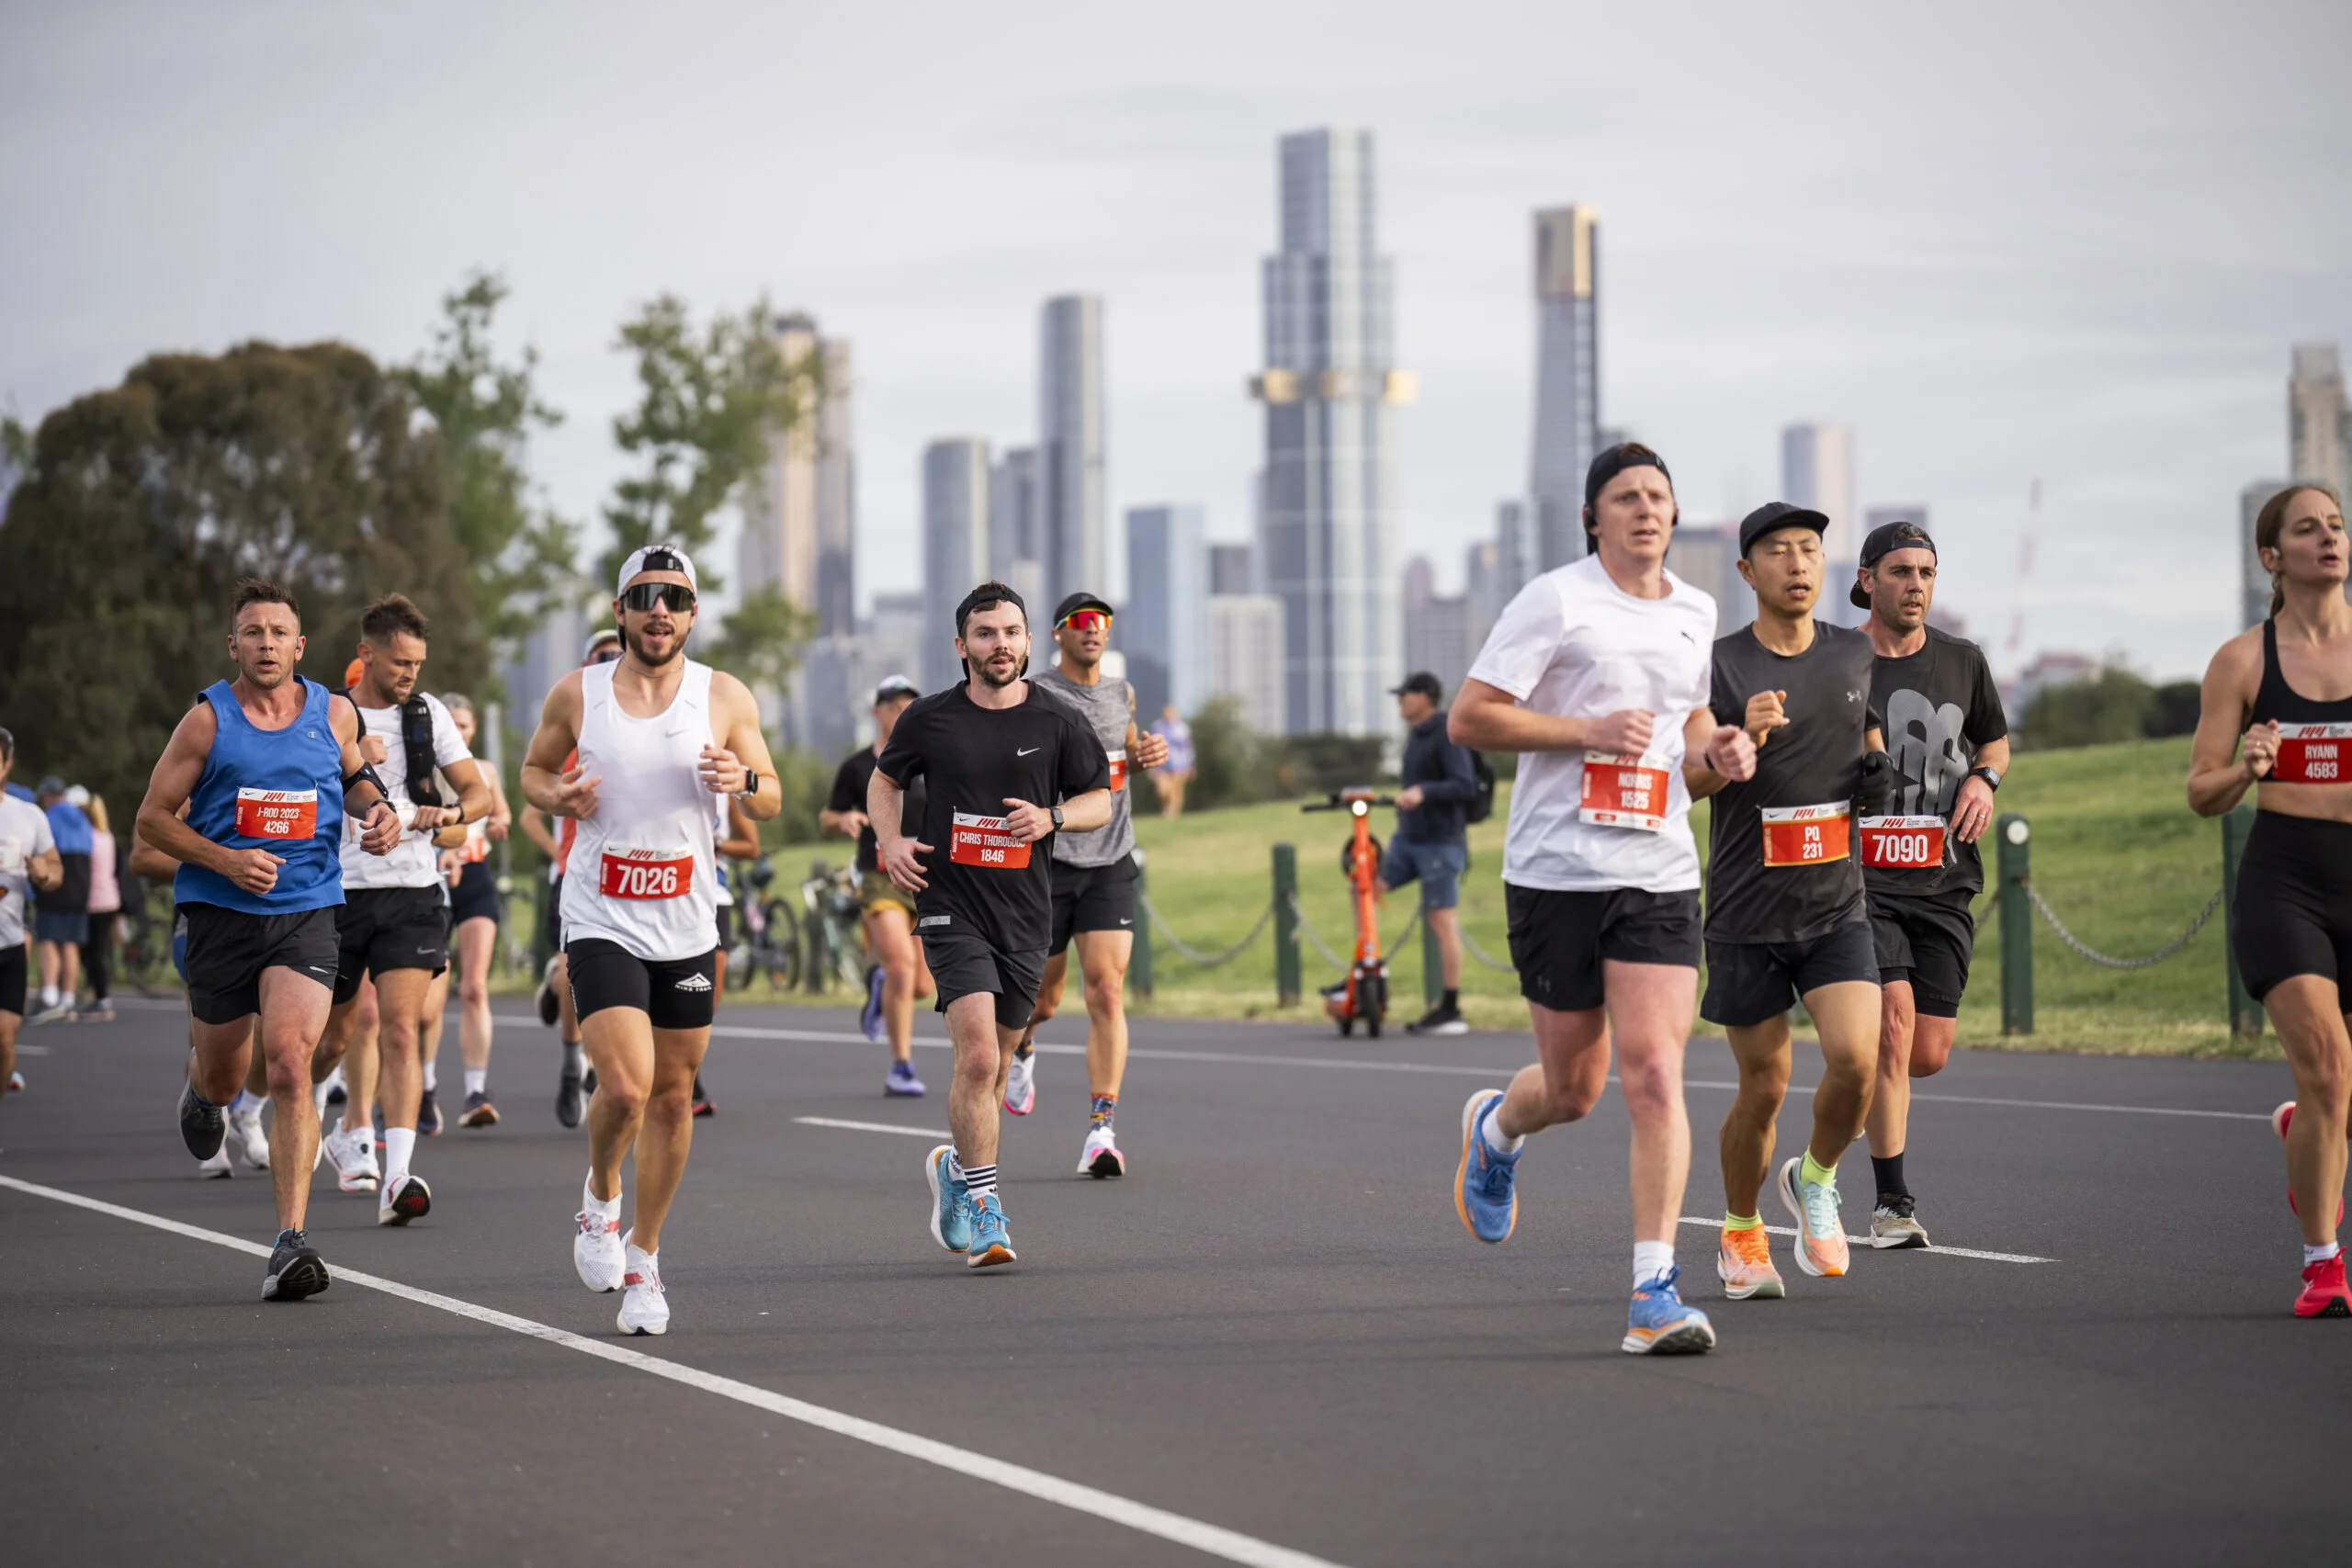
(405, 1198)
(355, 1158)
(247, 1138)
(1020, 1084)
(596, 1250)
(644, 1308)
(1101, 1156)
(217, 1167)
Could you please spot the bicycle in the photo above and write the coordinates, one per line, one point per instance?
(836, 927)
(765, 939)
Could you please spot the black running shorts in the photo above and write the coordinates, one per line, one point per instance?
(227, 949)
(1749, 982)
(12, 979)
(726, 926)
(673, 993)
(963, 964)
(476, 896)
(1558, 939)
(383, 928)
(1926, 942)
(2293, 911)
(1093, 898)
(555, 913)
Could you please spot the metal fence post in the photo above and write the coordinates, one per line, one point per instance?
(2245, 1013)
(1140, 962)
(2017, 925)
(1433, 957)
(1287, 961)
(812, 940)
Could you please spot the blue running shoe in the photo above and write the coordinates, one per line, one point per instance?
(991, 1243)
(870, 1020)
(951, 1209)
(1659, 1324)
(1486, 1193)
(902, 1081)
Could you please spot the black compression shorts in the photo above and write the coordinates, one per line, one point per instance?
(12, 979)
(1558, 939)
(673, 993)
(1093, 898)
(1750, 982)
(1926, 942)
(227, 949)
(2293, 913)
(476, 896)
(962, 964)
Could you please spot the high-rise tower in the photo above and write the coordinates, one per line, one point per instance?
(1567, 378)
(955, 548)
(800, 511)
(1069, 449)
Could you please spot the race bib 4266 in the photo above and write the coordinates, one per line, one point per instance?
(1623, 792)
(983, 841)
(1903, 842)
(1807, 835)
(277, 812)
(646, 873)
(2314, 753)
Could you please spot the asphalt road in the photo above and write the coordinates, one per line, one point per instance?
(1273, 1338)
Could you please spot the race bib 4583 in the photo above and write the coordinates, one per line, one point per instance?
(983, 841)
(1903, 842)
(1807, 835)
(2314, 753)
(277, 812)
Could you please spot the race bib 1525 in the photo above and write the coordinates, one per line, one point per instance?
(983, 841)
(1623, 792)
(1807, 835)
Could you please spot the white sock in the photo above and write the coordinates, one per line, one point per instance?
(2321, 1253)
(1493, 1134)
(333, 1080)
(243, 1102)
(608, 1207)
(1651, 1259)
(477, 1080)
(432, 1078)
(49, 996)
(400, 1142)
(319, 1099)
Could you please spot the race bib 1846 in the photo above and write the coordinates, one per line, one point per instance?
(2314, 753)
(1807, 835)
(983, 841)
(646, 873)
(1623, 792)
(1907, 843)
(277, 812)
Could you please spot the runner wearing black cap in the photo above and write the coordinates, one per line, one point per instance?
(998, 752)
(1436, 780)
(1787, 918)
(1597, 675)
(898, 976)
(1949, 740)
(2279, 696)
(1094, 886)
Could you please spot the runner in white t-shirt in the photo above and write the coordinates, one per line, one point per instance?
(1597, 674)
(27, 860)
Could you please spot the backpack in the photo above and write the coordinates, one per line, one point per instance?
(1481, 805)
(416, 748)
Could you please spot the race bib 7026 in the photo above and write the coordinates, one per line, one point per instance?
(1807, 835)
(646, 873)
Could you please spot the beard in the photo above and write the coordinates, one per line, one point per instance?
(989, 677)
(636, 646)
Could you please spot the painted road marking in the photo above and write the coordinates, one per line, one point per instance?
(1215, 1541)
(1865, 1241)
(873, 1127)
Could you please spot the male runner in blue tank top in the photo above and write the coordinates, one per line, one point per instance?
(266, 765)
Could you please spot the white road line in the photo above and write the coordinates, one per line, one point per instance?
(873, 1127)
(1865, 1241)
(1215, 1541)
(25, 1050)
(747, 1032)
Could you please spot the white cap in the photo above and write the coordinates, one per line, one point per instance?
(648, 560)
(77, 795)
(598, 640)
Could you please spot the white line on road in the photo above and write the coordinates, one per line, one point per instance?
(1865, 1241)
(1212, 1539)
(873, 1127)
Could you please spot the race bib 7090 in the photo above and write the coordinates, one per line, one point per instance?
(1907, 843)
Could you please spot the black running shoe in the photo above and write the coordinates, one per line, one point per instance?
(295, 1270)
(1439, 1020)
(336, 1098)
(550, 1006)
(203, 1125)
(566, 1099)
(428, 1115)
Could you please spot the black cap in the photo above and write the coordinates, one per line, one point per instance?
(50, 786)
(1615, 460)
(1884, 540)
(1420, 681)
(1775, 516)
(988, 593)
(1074, 604)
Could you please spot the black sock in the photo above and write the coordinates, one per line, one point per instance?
(1452, 1002)
(1889, 1172)
(1026, 1049)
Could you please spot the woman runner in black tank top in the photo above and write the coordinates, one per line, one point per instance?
(2290, 925)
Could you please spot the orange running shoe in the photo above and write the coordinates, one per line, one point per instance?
(1744, 1263)
(2324, 1294)
(1821, 1230)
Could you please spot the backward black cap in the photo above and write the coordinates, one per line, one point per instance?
(986, 594)
(1614, 461)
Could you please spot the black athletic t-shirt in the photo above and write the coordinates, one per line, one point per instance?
(1938, 705)
(1040, 751)
(1814, 761)
(849, 795)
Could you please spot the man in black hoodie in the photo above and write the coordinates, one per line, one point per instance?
(1432, 838)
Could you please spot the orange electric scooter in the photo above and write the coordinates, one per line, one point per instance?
(1365, 993)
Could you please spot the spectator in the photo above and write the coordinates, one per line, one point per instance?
(1432, 838)
(61, 919)
(1170, 777)
(106, 907)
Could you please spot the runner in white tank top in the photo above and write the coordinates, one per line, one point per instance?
(658, 736)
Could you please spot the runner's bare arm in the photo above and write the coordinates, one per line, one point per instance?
(1488, 718)
(741, 753)
(1080, 814)
(535, 827)
(1972, 810)
(474, 799)
(742, 840)
(900, 854)
(148, 862)
(1145, 749)
(45, 870)
(545, 784)
(2219, 775)
(1714, 754)
(362, 798)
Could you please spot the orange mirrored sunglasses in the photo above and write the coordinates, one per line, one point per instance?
(1087, 621)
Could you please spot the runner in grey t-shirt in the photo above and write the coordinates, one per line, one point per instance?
(1094, 884)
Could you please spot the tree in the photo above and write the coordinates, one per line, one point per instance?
(2114, 705)
(143, 506)
(759, 642)
(520, 552)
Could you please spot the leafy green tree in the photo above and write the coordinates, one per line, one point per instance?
(759, 642)
(522, 553)
(2114, 706)
(143, 506)
(1226, 766)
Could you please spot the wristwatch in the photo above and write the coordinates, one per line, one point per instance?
(1057, 818)
(750, 785)
(1992, 777)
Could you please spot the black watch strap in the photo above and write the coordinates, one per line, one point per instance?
(1992, 777)
(1057, 818)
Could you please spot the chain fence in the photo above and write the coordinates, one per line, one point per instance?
(1333, 959)
(1192, 955)
(2082, 949)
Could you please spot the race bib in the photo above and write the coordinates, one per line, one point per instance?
(647, 874)
(1623, 792)
(1119, 770)
(476, 849)
(277, 812)
(983, 841)
(2314, 753)
(1807, 835)
(1905, 843)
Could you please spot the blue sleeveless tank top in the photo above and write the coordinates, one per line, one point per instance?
(281, 790)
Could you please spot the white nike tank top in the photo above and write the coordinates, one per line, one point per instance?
(644, 868)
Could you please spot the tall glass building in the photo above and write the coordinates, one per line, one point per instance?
(955, 548)
(1164, 624)
(1069, 449)
(1567, 378)
(1328, 500)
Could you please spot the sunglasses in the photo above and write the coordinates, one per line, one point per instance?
(1087, 621)
(643, 596)
(606, 655)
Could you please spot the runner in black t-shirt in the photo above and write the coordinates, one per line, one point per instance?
(1949, 740)
(1786, 916)
(897, 975)
(998, 753)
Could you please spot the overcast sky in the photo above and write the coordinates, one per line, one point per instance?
(2072, 242)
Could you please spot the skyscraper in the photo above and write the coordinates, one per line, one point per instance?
(1818, 471)
(1514, 551)
(1163, 627)
(1329, 382)
(800, 511)
(1016, 551)
(1069, 446)
(1230, 569)
(1567, 377)
(2319, 428)
(1438, 636)
(1246, 646)
(954, 547)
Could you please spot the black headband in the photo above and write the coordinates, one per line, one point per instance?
(1615, 460)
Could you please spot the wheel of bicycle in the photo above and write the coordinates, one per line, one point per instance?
(782, 962)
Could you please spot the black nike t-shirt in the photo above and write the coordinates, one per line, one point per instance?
(849, 795)
(1040, 752)
(1797, 811)
(1940, 705)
